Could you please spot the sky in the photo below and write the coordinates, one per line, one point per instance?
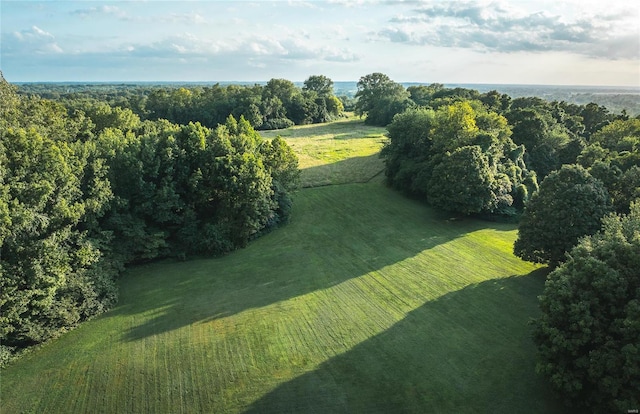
(540, 42)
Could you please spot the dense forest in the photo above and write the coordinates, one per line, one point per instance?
(92, 182)
(83, 194)
(277, 104)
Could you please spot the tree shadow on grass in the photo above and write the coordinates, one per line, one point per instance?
(351, 170)
(336, 233)
(468, 351)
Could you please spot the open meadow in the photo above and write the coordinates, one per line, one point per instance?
(341, 152)
(366, 302)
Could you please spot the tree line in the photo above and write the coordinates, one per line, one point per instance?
(84, 194)
(277, 104)
(570, 174)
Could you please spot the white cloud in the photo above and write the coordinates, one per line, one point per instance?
(99, 11)
(434, 40)
(498, 27)
(300, 3)
(33, 40)
(186, 18)
(250, 47)
(351, 3)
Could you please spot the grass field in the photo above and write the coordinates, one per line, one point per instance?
(344, 151)
(367, 302)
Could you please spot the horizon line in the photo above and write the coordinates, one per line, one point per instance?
(251, 82)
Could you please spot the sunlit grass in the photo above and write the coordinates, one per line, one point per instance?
(339, 152)
(365, 302)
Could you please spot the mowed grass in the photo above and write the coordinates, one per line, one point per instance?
(366, 302)
(344, 151)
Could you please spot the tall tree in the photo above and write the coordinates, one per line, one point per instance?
(459, 158)
(543, 137)
(422, 95)
(589, 331)
(614, 158)
(463, 182)
(569, 205)
(380, 98)
(319, 84)
(409, 146)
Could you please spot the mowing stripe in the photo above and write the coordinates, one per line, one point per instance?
(365, 302)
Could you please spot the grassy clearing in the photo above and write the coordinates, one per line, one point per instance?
(365, 302)
(345, 151)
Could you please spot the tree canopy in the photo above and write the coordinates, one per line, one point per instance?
(589, 331)
(380, 98)
(459, 158)
(82, 194)
(569, 205)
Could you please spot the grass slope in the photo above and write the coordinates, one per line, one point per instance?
(344, 151)
(366, 302)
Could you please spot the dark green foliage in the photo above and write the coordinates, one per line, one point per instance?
(588, 336)
(422, 95)
(379, 99)
(449, 96)
(320, 84)
(192, 178)
(54, 269)
(276, 105)
(614, 158)
(82, 195)
(459, 158)
(594, 118)
(569, 205)
(277, 123)
(409, 146)
(495, 101)
(548, 143)
(462, 182)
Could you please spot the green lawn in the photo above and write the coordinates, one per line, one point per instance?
(366, 302)
(344, 151)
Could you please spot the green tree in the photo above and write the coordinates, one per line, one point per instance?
(379, 99)
(53, 272)
(495, 101)
(543, 137)
(408, 147)
(82, 197)
(281, 162)
(459, 149)
(569, 205)
(421, 95)
(104, 116)
(620, 135)
(594, 118)
(278, 97)
(588, 336)
(463, 182)
(319, 84)
(614, 157)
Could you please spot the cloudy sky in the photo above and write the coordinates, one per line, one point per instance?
(507, 42)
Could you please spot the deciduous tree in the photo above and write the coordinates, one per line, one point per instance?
(588, 336)
(380, 98)
(569, 205)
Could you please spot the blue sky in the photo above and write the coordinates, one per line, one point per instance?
(509, 42)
